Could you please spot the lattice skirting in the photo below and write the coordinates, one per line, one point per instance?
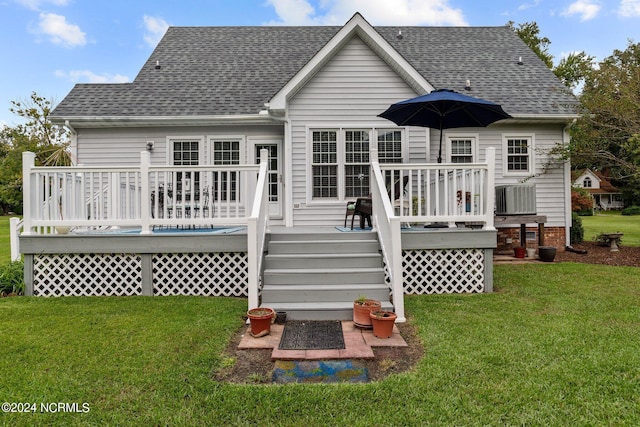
(206, 274)
(87, 275)
(443, 271)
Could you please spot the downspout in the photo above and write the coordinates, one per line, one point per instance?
(73, 146)
(566, 140)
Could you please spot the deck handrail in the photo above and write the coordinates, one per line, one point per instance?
(387, 226)
(257, 226)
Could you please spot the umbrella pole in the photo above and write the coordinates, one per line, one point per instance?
(440, 148)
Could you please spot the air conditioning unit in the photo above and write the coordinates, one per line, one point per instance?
(516, 199)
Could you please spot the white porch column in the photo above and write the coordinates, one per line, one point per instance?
(145, 208)
(28, 162)
(491, 185)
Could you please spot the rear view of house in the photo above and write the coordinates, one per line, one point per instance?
(180, 146)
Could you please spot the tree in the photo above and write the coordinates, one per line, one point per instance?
(574, 69)
(529, 32)
(53, 140)
(48, 141)
(608, 132)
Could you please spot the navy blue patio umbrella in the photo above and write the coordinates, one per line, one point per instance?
(444, 109)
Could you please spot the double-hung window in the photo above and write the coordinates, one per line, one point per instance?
(461, 150)
(356, 163)
(186, 153)
(225, 183)
(324, 166)
(518, 154)
(340, 161)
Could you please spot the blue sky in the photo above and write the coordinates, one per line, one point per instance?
(49, 45)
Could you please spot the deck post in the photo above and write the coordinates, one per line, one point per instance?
(491, 185)
(145, 208)
(28, 162)
(14, 223)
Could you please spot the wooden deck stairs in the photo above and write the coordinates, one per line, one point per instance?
(317, 276)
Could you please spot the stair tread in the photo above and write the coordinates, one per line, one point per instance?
(320, 255)
(318, 305)
(338, 286)
(332, 270)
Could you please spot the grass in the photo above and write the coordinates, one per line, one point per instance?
(555, 345)
(613, 222)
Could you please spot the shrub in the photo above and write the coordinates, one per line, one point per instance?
(12, 278)
(631, 210)
(581, 201)
(577, 230)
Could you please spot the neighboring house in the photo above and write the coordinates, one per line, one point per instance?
(606, 196)
(212, 97)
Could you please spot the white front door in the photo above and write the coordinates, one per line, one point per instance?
(274, 181)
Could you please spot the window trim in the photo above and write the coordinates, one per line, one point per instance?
(171, 139)
(475, 144)
(531, 154)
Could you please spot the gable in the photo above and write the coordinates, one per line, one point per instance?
(354, 85)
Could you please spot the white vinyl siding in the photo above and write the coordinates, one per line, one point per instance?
(348, 93)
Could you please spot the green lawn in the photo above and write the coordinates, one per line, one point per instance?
(613, 222)
(554, 345)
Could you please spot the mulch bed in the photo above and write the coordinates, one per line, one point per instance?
(627, 256)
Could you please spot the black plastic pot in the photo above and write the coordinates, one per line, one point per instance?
(547, 253)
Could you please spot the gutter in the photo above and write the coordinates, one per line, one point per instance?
(136, 121)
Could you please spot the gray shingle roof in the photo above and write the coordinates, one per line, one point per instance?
(235, 70)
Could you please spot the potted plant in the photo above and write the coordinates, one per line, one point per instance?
(61, 229)
(361, 309)
(382, 321)
(520, 251)
(260, 319)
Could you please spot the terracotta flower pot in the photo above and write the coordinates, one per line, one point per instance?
(260, 320)
(382, 322)
(520, 252)
(361, 310)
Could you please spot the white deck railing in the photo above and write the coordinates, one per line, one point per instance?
(257, 226)
(449, 194)
(144, 196)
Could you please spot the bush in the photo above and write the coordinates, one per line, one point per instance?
(631, 210)
(577, 230)
(12, 278)
(581, 201)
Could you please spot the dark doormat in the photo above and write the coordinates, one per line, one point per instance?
(320, 371)
(312, 335)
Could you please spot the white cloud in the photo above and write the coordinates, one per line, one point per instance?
(587, 9)
(86, 76)
(60, 31)
(525, 6)
(629, 8)
(377, 12)
(36, 4)
(154, 29)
